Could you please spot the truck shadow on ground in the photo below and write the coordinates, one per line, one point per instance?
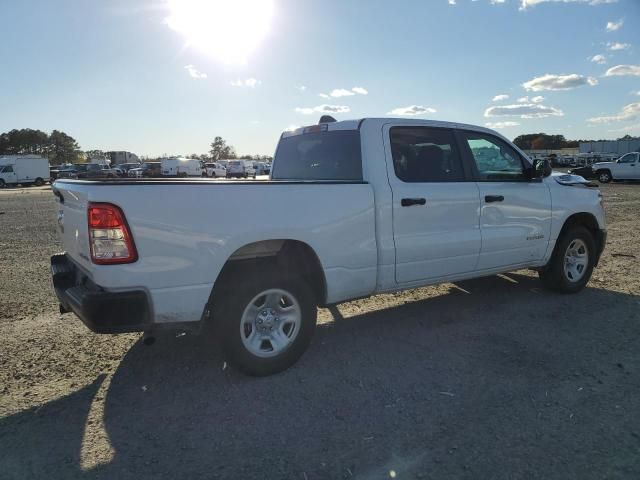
(497, 378)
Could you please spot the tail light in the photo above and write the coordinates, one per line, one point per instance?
(110, 239)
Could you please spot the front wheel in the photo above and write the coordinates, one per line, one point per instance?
(2, 183)
(39, 182)
(265, 324)
(604, 176)
(571, 264)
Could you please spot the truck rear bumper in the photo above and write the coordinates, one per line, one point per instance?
(100, 310)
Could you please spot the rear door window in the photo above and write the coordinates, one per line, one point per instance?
(332, 155)
(425, 155)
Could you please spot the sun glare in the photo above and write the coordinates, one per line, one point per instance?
(228, 30)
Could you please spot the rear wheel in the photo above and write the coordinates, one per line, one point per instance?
(265, 324)
(604, 176)
(39, 182)
(571, 264)
(2, 184)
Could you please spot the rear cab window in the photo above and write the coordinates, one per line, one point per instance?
(325, 155)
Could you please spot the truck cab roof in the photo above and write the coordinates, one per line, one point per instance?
(355, 124)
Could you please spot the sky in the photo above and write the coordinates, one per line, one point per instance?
(161, 77)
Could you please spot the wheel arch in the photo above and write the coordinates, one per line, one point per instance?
(584, 219)
(288, 254)
(588, 221)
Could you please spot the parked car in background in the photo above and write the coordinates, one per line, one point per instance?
(427, 202)
(119, 172)
(584, 172)
(23, 170)
(181, 167)
(262, 168)
(241, 169)
(215, 170)
(125, 167)
(627, 167)
(147, 169)
(87, 171)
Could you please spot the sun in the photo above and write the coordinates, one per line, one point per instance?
(228, 30)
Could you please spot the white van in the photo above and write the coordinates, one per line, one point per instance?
(181, 167)
(24, 170)
(240, 169)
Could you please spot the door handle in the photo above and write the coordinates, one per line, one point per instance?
(493, 198)
(407, 202)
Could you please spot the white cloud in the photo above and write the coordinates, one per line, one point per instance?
(452, 2)
(628, 112)
(530, 3)
(538, 99)
(623, 70)
(412, 110)
(302, 88)
(599, 59)
(498, 125)
(523, 110)
(291, 128)
(499, 98)
(558, 82)
(615, 46)
(323, 109)
(523, 100)
(247, 82)
(613, 26)
(343, 92)
(194, 72)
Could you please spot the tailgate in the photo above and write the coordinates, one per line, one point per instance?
(72, 226)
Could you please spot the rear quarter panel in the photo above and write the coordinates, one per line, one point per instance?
(184, 234)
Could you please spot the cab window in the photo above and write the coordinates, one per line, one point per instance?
(425, 155)
(494, 159)
(628, 158)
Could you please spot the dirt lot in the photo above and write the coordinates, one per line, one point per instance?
(493, 378)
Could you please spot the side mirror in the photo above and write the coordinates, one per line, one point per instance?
(541, 168)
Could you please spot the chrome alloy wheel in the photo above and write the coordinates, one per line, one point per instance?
(270, 322)
(576, 260)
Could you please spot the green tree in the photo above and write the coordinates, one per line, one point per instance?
(62, 148)
(220, 150)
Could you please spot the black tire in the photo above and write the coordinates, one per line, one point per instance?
(554, 277)
(2, 184)
(604, 176)
(39, 182)
(227, 315)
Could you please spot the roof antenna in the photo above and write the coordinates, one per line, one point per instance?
(326, 119)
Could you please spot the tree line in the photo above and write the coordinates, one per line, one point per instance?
(61, 148)
(542, 141)
(57, 146)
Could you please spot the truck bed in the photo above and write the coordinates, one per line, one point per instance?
(186, 229)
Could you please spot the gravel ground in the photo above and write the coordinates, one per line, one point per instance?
(492, 378)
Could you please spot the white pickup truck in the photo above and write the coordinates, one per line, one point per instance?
(627, 167)
(355, 208)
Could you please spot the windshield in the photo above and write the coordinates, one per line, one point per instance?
(319, 156)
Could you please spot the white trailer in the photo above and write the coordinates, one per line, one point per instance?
(181, 167)
(24, 170)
